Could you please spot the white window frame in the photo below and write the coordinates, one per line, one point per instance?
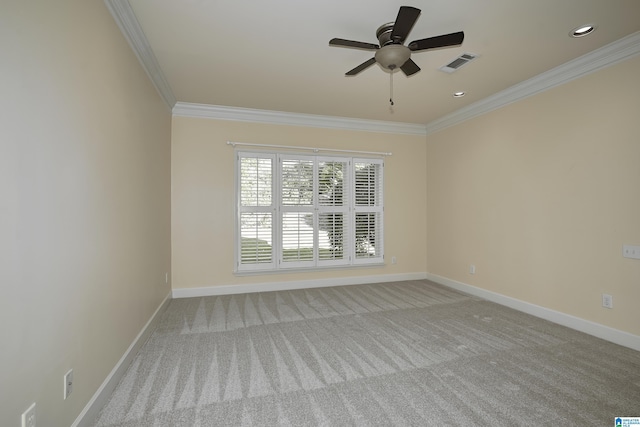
(277, 210)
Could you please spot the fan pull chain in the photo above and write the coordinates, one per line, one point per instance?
(391, 88)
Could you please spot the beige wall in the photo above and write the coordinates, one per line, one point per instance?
(203, 198)
(541, 195)
(85, 207)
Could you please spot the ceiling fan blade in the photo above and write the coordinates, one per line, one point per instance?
(444, 40)
(409, 68)
(361, 67)
(407, 16)
(354, 44)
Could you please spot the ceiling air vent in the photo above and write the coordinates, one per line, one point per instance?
(461, 60)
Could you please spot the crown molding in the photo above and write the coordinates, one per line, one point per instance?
(608, 55)
(130, 27)
(620, 50)
(220, 112)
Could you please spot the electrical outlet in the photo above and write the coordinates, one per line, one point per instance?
(630, 251)
(607, 301)
(393, 260)
(68, 383)
(29, 416)
(472, 269)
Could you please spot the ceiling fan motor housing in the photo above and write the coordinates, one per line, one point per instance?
(383, 33)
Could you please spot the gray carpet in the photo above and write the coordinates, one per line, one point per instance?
(409, 353)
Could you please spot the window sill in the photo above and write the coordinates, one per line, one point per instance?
(307, 270)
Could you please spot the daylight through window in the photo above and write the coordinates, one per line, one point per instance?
(297, 211)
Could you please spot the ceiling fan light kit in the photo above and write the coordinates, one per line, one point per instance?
(392, 57)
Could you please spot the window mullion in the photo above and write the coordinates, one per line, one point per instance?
(315, 212)
(352, 210)
(277, 238)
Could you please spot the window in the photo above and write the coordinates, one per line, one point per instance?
(297, 211)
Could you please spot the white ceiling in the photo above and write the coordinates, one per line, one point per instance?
(275, 55)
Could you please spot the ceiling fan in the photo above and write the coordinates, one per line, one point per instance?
(392, 54)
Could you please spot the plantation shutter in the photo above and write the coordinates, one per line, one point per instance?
(368, 210)
(297, 219)
(256, 211)
(296, 211)
(333, 211)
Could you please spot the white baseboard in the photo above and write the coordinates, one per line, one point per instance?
(595, 329)
(296, 284)
(99, 399)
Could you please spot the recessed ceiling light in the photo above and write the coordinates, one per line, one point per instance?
(458, 94)
(582, 30)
